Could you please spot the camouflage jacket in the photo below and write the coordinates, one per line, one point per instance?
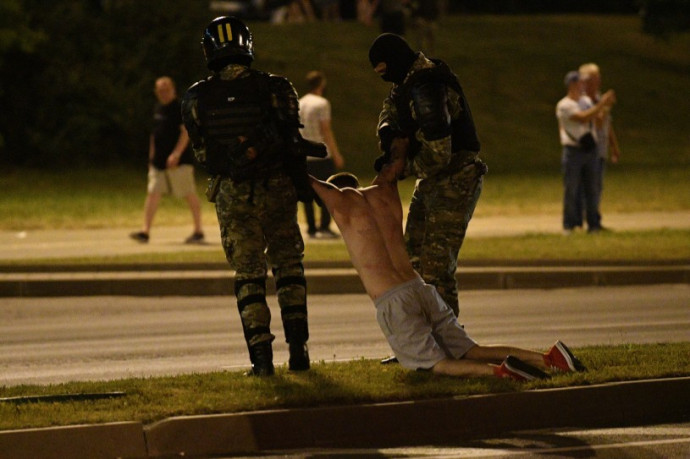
(427, 157)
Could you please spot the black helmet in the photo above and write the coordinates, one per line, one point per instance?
(227, 40)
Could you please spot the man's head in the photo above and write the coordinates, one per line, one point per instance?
(391, 57)
(316, 81)
(344, 180)
(165, 90)
(226, 40)
(591, 77)
(572, 82)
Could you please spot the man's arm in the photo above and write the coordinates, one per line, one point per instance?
(386, 130)
(613, 145)
(393, 171)
(286, 112)
(431, 102)
(182, 142)
(606, 101)
(329, 140)
(192, 123)
(152, 149)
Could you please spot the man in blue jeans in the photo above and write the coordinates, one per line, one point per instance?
(576, 115)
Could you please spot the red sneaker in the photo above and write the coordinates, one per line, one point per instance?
(560, 358)
(516, 369)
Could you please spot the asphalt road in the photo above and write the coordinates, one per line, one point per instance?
(52, 340)
(670, 441)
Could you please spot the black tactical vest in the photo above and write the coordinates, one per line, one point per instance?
(463, 132)
(228, 109)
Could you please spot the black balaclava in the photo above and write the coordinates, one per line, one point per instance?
(396, 53)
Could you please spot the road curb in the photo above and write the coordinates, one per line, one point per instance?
(423, 422)
(120, 439)
(324, 280)
(364, 426)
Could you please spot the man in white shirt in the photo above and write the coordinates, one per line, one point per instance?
(315, 115)
(580, 159)
(607, 141)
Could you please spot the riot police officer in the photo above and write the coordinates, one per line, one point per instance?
(244, 127)
(428, 108)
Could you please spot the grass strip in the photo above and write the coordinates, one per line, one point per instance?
(114, 198)
(326, 384)
(654, 246)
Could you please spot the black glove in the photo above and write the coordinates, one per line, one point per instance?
(386, 136)
(297, 170)
(311, 148)
(481, 166)
(305, 194)
(381, 160)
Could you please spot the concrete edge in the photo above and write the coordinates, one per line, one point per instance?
(409, 423)
(329, 281)
(422, 422)
(120, 439)
(61, 267)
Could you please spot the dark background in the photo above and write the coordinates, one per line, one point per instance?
(76, 78)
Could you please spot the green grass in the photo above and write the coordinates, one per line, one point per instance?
(662, 245)
(511, 68)
(361, 381)
(115, 197)
(659, 246)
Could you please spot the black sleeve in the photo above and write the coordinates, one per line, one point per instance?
(285, 102)
(430, 101)
(188, 113)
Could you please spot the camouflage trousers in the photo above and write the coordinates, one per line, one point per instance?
(258, 227)
(440, 210)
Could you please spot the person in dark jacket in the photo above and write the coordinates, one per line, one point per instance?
(244, 127)
(428, 107)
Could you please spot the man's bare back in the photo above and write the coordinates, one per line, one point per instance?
(370, 221)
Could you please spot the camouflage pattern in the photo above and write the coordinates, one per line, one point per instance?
(440, 210)
(443, 201)
(258, 224)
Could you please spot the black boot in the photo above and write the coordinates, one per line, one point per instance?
(261, 356)
(296, 334)
(299, 356)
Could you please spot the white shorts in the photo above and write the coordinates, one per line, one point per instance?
(178, 181)
(420, 327)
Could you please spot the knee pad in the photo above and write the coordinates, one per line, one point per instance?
(250, 290)
(293, 309)
(255, 321)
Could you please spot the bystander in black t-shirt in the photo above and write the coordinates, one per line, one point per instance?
(167, 120)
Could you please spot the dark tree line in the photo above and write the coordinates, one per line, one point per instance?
(664, 17)
(76, 77)
(659, 17)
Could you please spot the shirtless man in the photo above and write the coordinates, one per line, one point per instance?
(420, 327)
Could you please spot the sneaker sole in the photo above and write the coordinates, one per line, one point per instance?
(570, 359)
(523, 369)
